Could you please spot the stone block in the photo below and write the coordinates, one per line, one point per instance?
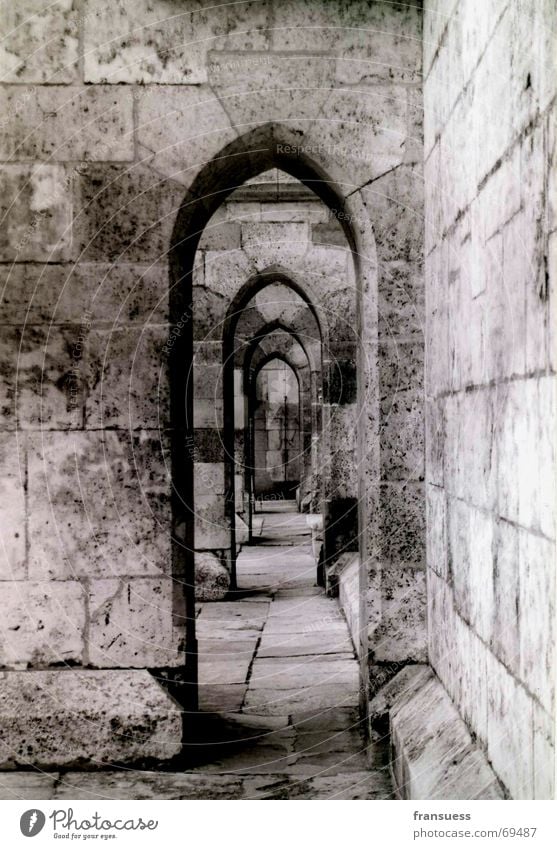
(526, 454)
(98, 505)
(212, 580)
(83, 294)
(208, 479)
(401, 303)
(25, 784)
(434, 755)
(180, 128)
(51, 376)
(510, 731)
(402, 523)
(544, 755)
(124, 214)
(506, 601)
(536, 617)
(436, 535)
(131, 623)
(395, 206)
(62, 123)
(401, 634)
(434, 441)
(282, 239)
(13, 474)
(86, 718)
(221, 236)
(40, 43)
(42, 623)
(128, 380)
(471, 565)
(138, 43)
(343, 31)
(37, 210)
(402, 436)
(211, 525)
(401, 687)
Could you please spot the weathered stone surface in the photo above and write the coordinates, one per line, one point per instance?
(138, 43)
(131, 623)
(402, 523)
(124, 214)
(147, 785)
(83, 294)
(402, 686)
(43, 623)
(60, 123)
(212, 580)
(37, 213)
(435, 757)
(12, 507)
(510, 725)
(27, 785)
(40, 42)
(128, 716)
(401, 633)
(128, 381)
(81, 486)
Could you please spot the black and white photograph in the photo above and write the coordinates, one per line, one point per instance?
(277, 412)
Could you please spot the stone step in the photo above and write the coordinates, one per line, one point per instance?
(110, 784)
(86, 717)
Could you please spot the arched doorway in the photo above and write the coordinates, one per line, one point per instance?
(256, 152)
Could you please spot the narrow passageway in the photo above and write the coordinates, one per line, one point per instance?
(279, 678)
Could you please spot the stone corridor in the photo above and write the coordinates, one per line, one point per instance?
(278, 691)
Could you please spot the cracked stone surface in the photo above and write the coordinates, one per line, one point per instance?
(279, 714)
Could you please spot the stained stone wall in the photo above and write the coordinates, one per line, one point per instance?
(111, 120)
(489, 105)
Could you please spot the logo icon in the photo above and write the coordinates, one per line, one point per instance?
(32, 822)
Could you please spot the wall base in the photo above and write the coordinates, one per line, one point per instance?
(82, 717)
(433, 755)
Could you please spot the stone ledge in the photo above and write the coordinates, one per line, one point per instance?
(81, 717)
(433, 754)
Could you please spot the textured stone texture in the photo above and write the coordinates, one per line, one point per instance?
(91, 372)
(40, 43)
(44, 623)
(86, 718)
(212, 579)
(434, 756)
(490, 412)
(131, 623)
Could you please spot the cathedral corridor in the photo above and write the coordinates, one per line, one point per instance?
(279, 677)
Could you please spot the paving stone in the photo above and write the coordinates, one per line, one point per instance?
(313, 643)
(147, 785)
(274, 701)
(27, 785)
(221, 698)
(286, 674)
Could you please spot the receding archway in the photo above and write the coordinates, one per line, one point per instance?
(258, 150)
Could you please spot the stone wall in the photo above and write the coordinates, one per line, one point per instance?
(277, 431)
(489, 105)
(116, 115)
